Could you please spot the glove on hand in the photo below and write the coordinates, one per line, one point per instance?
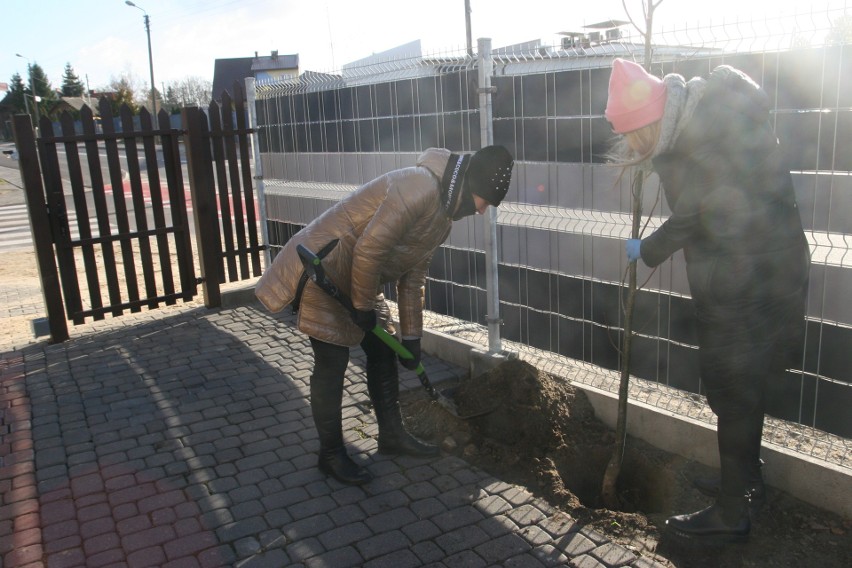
(633, 248)
(413, 346)
(365, 319)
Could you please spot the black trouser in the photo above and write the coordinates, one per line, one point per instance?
(742, 348)
(330, 362)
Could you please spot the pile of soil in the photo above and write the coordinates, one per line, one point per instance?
(531, 429)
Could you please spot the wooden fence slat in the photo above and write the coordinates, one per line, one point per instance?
(28, 162)
(101, 209)
(177, 205)
(155, 191)
(59, 224)
(224, 198)
(236, 194)
(149, 218)
(81, 208)
(131, 154)
(248, 185)
(197, 144)
(121, 217)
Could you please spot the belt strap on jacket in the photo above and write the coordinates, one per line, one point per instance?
(303, 280)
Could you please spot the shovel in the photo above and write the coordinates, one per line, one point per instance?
(315, 271)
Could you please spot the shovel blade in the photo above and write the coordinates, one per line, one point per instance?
(445, 400)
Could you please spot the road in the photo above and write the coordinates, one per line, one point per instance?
(14, 222)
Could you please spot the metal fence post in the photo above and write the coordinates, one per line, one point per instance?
(258, 168)
(486, 130)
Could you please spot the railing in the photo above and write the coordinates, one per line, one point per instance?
(561, 229)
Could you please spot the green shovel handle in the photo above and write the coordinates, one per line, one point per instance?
(400, 350)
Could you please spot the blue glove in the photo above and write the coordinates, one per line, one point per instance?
(633, 248)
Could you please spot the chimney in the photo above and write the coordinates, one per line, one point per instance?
(275, 54)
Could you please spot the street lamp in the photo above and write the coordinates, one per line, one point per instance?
(150, 57)
(32, 89)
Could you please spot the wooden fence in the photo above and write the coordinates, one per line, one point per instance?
(110, 209)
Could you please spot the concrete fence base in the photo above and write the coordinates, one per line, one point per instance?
(819, 483)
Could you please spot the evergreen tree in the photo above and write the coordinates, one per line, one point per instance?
(17, 92)
(171, 102)
(72, 86)
(43, 90)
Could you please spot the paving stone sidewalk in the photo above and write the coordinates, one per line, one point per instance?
(183, 438)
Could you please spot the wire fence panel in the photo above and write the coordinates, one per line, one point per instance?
(562, 227)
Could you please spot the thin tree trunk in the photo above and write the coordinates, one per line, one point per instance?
(609, 493)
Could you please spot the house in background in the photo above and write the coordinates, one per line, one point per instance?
(76, 104)
(273, 67)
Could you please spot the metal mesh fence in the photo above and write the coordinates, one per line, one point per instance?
(562, 226)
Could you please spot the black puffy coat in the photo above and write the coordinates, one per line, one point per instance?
(734, 214)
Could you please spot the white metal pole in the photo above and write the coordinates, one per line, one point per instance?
(151, 66)
(486, 127)
(467, 28)
(258, 167)
(147, 21)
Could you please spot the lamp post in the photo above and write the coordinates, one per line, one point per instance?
(32, 90)
(150, 57)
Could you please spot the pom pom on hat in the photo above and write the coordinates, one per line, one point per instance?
(636, 98)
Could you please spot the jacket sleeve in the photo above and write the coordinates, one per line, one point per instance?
(399, 211)
(688, 185)
(410, 293)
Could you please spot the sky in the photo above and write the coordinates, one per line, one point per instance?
(105, 39)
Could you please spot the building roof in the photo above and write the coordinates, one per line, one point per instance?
(607, 24)
(77, 103)
(227, 71)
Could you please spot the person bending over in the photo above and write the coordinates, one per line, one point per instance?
(384, 232)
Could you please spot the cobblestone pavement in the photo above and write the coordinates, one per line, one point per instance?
(183, 437)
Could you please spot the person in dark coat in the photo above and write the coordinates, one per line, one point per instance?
(735, 217)
(384, 232)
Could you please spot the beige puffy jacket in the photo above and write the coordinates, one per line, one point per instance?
(387, 231)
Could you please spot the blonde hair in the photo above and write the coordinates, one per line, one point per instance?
(643, 141)
(635, 147)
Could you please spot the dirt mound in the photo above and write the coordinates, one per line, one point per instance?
(531, 429)
(524, 408)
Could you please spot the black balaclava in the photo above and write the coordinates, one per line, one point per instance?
(486, 173)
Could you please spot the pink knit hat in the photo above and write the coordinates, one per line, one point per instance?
(636, 98)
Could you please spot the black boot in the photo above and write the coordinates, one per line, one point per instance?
(755, 493)
(383, 386)
(337, 463)
(326, 399)
(727, 520)
(394, 439)
(739, 438)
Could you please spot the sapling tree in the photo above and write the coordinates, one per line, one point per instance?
(609, 492)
